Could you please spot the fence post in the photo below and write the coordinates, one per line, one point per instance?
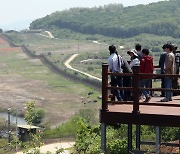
(104, 87)
(136, 90)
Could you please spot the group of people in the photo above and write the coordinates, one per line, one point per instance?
(141, 57)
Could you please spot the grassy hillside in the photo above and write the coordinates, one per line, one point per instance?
(114, 20)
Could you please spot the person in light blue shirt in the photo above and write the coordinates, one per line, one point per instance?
(115, 66)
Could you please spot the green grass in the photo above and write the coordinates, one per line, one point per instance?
(3, 144)
(28, 69)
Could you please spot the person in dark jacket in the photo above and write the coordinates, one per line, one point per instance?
(146, 66)
(127, 80)
(162, 68)
(175, 82)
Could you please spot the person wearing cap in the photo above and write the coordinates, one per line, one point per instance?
(115, 63)
(162, 68)
(169, 67)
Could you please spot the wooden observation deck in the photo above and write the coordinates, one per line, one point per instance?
(154, 112)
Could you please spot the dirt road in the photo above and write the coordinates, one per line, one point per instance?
(67, 64)
(54, 146)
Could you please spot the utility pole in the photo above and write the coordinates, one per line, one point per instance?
(9, 135)
(78, 47)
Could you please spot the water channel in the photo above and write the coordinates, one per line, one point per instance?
(20, 120)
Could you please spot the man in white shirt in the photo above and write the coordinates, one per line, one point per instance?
(115, 63)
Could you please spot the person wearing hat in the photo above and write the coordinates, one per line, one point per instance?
(134, 60)
(134, 57)
(162, 68)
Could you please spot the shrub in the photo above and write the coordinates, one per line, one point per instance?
(90, 68)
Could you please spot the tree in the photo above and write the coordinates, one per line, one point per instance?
(33, 116)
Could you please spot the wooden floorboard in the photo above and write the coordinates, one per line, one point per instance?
(148, 115)
(162, 110)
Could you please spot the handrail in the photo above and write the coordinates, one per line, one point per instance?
(135, 88)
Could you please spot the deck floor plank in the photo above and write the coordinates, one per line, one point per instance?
(161, 110)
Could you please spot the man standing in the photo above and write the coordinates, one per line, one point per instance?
(175, 83)
(169, 69)
(115, 63)
(162, 67)
(138, 48)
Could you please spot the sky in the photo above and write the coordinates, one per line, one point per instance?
(18, 14)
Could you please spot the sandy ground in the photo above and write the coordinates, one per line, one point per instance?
(54, 146)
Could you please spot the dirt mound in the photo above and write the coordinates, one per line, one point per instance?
(3, 42)
(14, 49)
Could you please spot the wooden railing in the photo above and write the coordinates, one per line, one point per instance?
(135, 89)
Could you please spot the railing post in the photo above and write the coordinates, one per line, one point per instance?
(136, 91)
(104, 87)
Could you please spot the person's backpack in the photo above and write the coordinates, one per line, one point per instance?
(125, 66)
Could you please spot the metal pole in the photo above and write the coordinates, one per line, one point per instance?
(138, 137)
(103, 137)
(157, 129)
(16, 130)
(129, 137)
(9, 110)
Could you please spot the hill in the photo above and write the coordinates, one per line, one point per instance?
(114, 20)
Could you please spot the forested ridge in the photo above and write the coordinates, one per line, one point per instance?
(161, 18)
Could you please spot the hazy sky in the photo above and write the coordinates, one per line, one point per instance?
(14, 11)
